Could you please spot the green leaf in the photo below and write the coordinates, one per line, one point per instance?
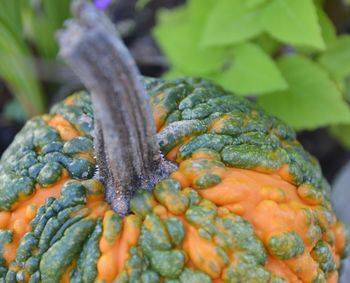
(174, 73)
(10, 17)
(342, 134)
(199, 10)
(168, 17)
(254, 3)
(18, 71)
(337, 58)
(344, 86)
(43, 37)
(42, 23)
(312, 99)
(329, 33)
(319, 3)
(56, 11)
(179, 38)
(231, 21)
(252, 72)
(269, 44)
(294, 22)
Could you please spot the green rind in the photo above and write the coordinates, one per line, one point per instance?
(86, 270)
(62, 233)
(286, 246)
(38, 154)
(249, 138)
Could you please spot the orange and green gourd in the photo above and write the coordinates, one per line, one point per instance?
(246, 202)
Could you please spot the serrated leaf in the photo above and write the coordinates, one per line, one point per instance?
(337, 58)
(179, 37)
(312, 99)
(230, 22)
(294, 22)
(252, 72)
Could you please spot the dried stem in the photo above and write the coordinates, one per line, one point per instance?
(125, 136)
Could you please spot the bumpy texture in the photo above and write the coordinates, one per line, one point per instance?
(247, 203)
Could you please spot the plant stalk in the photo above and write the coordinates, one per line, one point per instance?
(126, 146)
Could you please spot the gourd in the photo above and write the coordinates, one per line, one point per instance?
(230, 197)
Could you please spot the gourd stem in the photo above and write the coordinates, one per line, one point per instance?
(125, 136)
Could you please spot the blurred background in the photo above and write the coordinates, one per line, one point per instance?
(291, 56)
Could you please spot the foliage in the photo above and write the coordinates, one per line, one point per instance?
(284, 52)
(27, 30)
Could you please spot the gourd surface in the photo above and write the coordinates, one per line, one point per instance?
(247, 203)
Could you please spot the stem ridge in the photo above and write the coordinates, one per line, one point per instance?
(126, 145)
